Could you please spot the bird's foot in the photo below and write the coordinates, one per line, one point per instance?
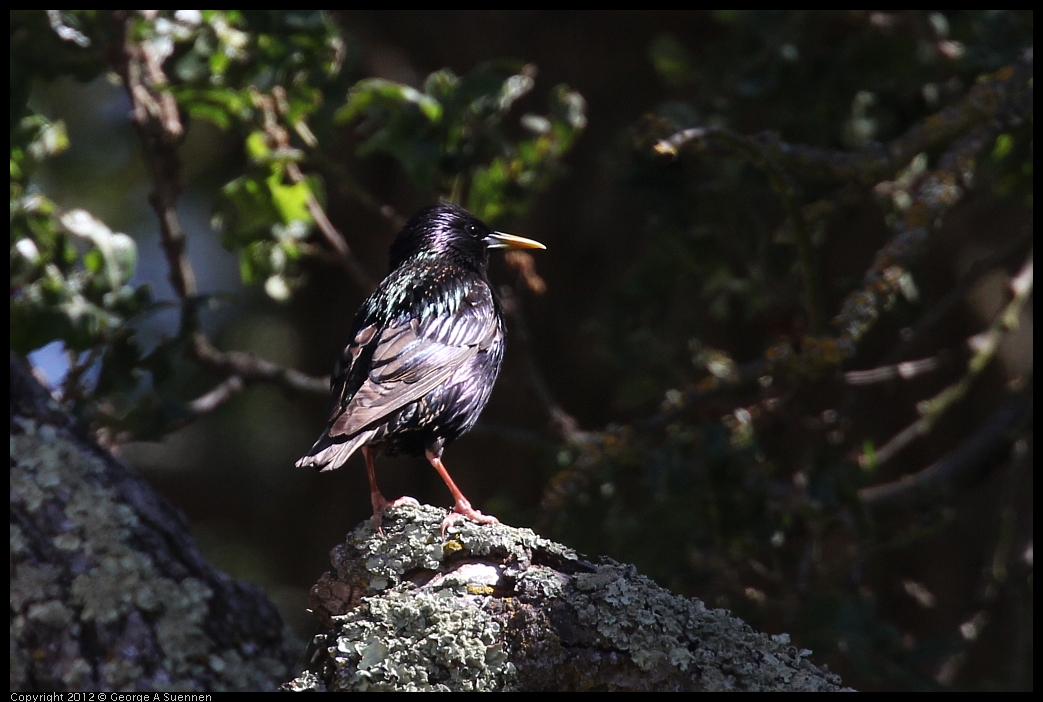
(380, 504)
(464, 510)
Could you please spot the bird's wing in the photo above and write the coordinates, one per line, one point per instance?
(409, 359)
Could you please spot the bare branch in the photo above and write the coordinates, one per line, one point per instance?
(937, 192)
(850, 405)
(1005, 98)
(220, 394)
(955, 295)
(904, 370)
(1006, 94)
(250, 368)
(983, 347)
(939, 481)
(935, 196)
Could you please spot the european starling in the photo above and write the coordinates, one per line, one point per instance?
(424, 352)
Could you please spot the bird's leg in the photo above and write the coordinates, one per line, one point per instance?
(375, 496)
(462, 509)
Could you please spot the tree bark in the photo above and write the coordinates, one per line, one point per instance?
(108, 590)
(493, 607)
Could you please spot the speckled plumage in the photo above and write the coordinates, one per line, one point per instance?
(424, 352)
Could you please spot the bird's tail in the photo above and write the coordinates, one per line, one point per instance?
(326, 455)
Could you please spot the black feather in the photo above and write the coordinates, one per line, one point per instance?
(425, 348)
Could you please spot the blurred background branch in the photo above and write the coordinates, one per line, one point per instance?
(778, 353)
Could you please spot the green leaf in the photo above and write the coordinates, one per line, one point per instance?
(117, 252)
(371, 93)
(257, 146)
(291, 200)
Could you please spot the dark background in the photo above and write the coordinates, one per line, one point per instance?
(651, 264)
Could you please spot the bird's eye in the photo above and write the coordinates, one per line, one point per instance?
(474, 230)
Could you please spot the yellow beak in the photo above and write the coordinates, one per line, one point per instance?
(499, 240)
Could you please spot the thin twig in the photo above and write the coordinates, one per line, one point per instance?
(250, 368)
(157, 122)
(905, 370)
(939, 481)
(850, 405)
(71, 383)
(280, 139)
(348, 184)
(953, 297)
(983, 348)
(220, 394)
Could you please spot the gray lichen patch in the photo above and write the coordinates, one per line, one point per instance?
(420, 641)
(491, 607)
(660, 631)
(110, 578)
(89, 595)
(632, 614)
(409, 544)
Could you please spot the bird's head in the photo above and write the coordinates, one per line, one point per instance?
(449, 231)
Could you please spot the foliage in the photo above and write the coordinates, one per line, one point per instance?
(718, 437)
(70, 273)
(739, 438)
(451, 138)
(266, 76)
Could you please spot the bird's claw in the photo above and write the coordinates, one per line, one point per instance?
(465, 511)
(380, 504)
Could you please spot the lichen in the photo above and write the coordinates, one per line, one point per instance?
(104, 578)
(463, 611)
(634, 615)
(431, 641)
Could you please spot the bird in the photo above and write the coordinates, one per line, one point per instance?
(423, 354)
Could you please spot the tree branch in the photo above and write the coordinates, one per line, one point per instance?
(938, 482)
(156, 119)
(108, 588)
(983, 348)
(497, 608)
(1005, 94)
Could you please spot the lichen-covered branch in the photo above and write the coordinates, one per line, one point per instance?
(1006, 94)
(496, 608)
(108, 590)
